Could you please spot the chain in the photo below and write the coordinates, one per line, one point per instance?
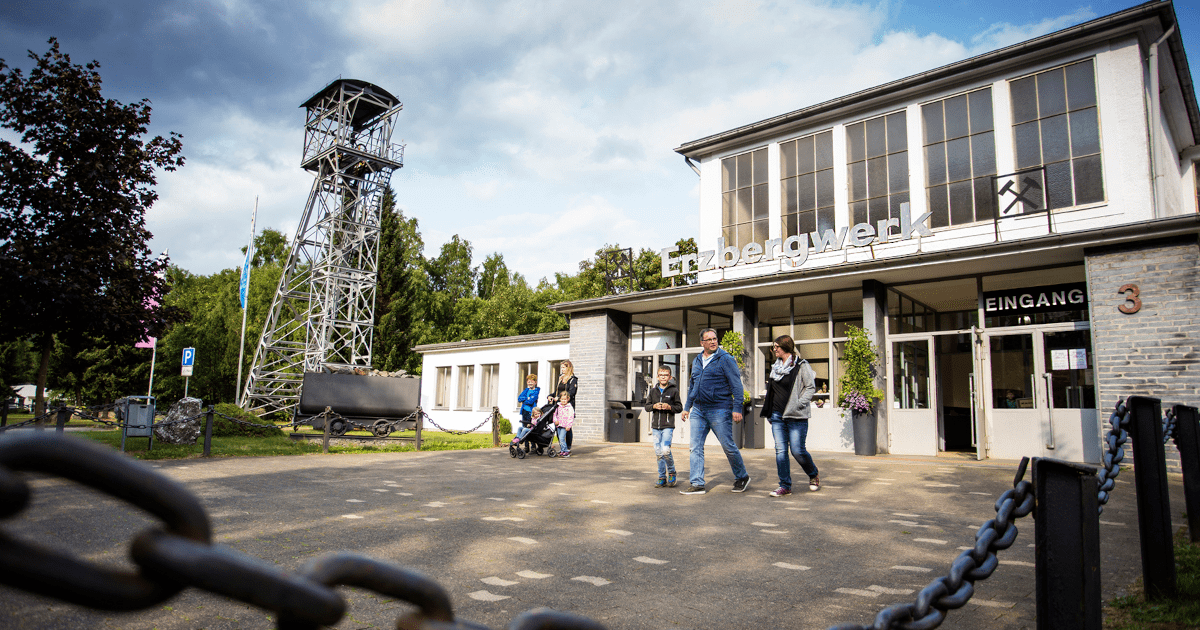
(180, 553)
(1115, 441)
(17, 425)
(1168, 425)
(247, 423)
(453, 432)
(977, 563)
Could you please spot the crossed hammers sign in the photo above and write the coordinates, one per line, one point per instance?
(1028, 184)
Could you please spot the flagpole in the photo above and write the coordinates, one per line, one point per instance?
(153, 356)
(245, 296)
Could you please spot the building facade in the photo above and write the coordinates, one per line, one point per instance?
(1017, 232)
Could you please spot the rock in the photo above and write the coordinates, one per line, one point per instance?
(183, 432)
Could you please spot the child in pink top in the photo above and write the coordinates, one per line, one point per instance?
(564, 417)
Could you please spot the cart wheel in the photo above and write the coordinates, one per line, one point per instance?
(337, 427)
(381, 428)
(520, 454)
(512, 451)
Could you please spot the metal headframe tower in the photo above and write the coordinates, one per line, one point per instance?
(323, 311)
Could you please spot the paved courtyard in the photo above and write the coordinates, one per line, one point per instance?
(590, 535)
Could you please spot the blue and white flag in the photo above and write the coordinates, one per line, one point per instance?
(244, 285)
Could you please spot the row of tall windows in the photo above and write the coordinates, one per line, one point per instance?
(1055, 128)
(489, 384)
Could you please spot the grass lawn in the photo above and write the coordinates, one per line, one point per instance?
(1181, 612)
(271, 446)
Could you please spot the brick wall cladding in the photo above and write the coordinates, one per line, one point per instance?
(1156, 351)
(588, 355)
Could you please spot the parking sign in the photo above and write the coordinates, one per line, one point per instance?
(189, 360)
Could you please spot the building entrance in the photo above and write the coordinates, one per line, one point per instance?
(933, 394)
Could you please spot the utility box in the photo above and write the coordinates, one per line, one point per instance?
(622, 423)
(137, 414)
(751, 432)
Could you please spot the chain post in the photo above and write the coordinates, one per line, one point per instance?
(208, 426)
(4, 415)
(495, 427)
(61, 417)
(1187, 440)
(420, 424)
(1066, 545)
(325, 435)
(1153, 501)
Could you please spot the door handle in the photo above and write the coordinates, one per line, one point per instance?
(1049, 407)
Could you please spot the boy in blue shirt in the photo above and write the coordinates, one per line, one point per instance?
(528, 400)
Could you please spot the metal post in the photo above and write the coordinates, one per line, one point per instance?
(495, 427)
(61, 419)
(325, 438)
(4, 415)
(208, 424)
(1066, 545)
(1153, 502)
(1187, 440)
(420, 425)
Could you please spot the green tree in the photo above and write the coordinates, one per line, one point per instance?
(452, 280)
(17, 365)
(493, 276)
(686, 246)
(402, 292)
(270, 246)
(74, 254)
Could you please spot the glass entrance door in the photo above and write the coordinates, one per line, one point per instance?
(912, 417)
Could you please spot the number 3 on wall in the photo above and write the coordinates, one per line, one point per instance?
(1132, 303)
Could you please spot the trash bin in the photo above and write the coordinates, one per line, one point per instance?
(622, 423)
(751, 432)
(137, 413)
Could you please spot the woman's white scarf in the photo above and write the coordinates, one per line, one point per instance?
(782, 367)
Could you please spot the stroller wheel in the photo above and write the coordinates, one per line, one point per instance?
(520, 454)
(512, 450)
(551, 452)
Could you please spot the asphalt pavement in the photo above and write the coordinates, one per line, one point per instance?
(589, 535)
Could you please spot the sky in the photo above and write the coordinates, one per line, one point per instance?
(539, 130)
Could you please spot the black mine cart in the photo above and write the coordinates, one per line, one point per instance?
(379, 402)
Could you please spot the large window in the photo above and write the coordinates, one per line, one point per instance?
(744, 198)
(466, 386)
(489, 386)
(806, 176)
(1056, 125)
(524, 371)
(960, 157)
(877, 165)
(441, 396)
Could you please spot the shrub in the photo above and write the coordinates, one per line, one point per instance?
(225, 428)
(505, 425)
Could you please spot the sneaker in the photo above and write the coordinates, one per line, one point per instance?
(741, 484)
(564, 454)
(662, 482)
(693, 490)
(814, 483)
(780, 491)
(671, 480)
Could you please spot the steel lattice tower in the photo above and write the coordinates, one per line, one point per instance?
(324, 309)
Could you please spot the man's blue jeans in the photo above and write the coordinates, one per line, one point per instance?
(662, 449)
(720, 421)
(790, 435)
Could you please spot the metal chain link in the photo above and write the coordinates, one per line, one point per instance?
(976, 563)
(1115, 441)
(1168, 425)
(182, 555)
(453, 432)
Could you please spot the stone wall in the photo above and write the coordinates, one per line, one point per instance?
(600, 353)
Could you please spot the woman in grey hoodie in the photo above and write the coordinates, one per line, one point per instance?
(790, 388)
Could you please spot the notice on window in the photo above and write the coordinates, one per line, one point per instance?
(1079, 358)
(1059, 359)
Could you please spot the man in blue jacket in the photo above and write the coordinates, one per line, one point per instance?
(714, 402)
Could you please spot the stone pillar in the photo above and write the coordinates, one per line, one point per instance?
(745, 321)
(875, 323)
(1156, 350)
(600, 354)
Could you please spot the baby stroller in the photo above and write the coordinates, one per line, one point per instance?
(539, 439)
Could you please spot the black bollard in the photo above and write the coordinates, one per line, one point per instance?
(1066, 539)
(1187, 440)
(420, 424)
(1153, 502)
(325, 436)
(61, 418)
(495, 427)
(208, 422)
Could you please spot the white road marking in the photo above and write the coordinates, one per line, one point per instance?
(527, 541)
(941, 485)
(495, 499)
(485, 596)
(526, 505)
(355, 501)
(459, 470)
(797, 509)
(993, 604)
(1112, 523)
(884, 479)
(598, 501)
(351, 516)
(903, 522)
(430, 519)
(404, 494)
(901, 567)
(932, 541)
(625, 478)
(793, 567)
(848, 500)
(555, 483)
(566, 494)
(645, 560)
(436, 504)
(890, 591)
(856, 591)
(1018, 563)
(966, 548)
(880, 483)
(829, 487)
(502, 518)
(908, 515)
(495, 581)
(381, 490)
(534, 575)
(774, 531)
(764, 524)
(594, 581)
(983, 493)
(619, 532)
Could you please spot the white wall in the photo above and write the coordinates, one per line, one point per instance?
(507, 357)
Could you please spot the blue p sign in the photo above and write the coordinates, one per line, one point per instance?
(189, 356)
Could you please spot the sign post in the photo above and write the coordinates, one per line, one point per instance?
(189, 361)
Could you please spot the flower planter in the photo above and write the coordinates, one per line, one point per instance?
(864, 432)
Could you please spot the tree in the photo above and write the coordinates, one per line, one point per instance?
(401, 293)
(451, 281)
(493, 276)
(686, 246)
(74, 254)
(269, 246)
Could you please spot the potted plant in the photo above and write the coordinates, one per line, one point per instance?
(732, 343)
(857, 393)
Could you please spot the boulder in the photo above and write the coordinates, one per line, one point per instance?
(182, 432)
